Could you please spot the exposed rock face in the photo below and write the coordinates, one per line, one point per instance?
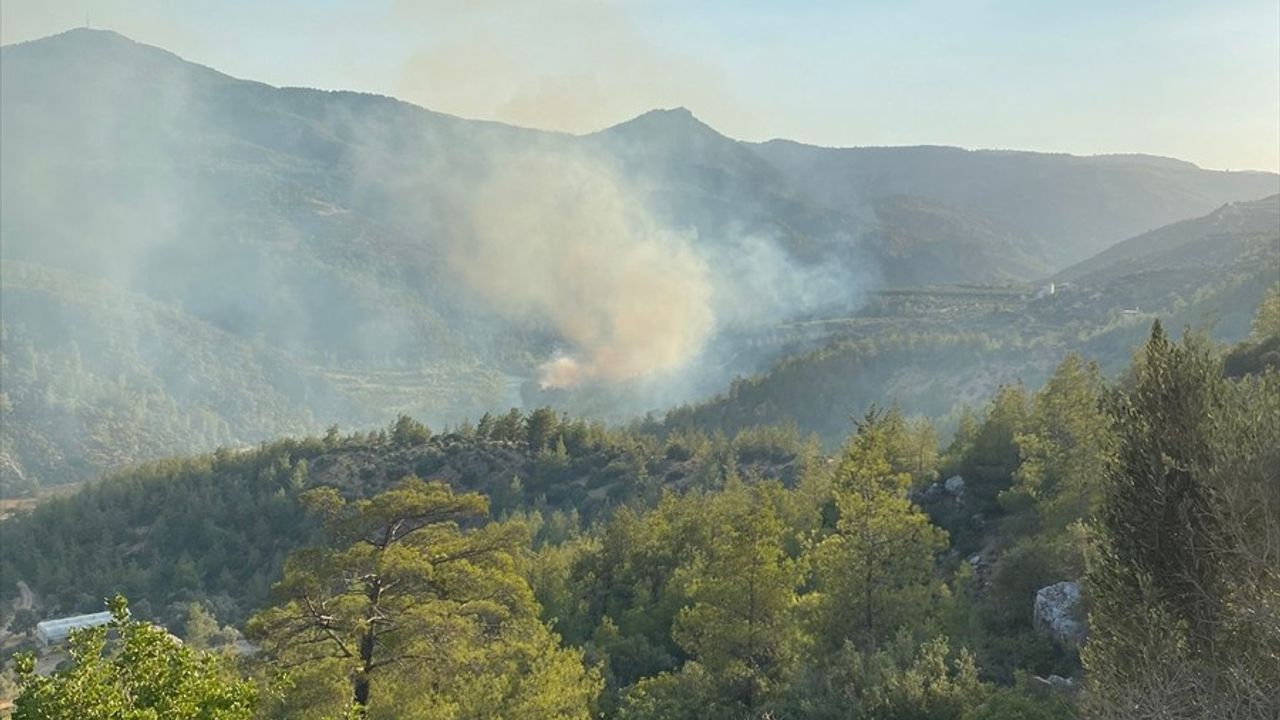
(981, 566)
(955, 485)
(1056, 612)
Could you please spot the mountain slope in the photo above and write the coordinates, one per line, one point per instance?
(232, 517)
(931, 349)
(309, 172)
(315, 233)
(96, 378)
(1227, 235)
(1064, 207)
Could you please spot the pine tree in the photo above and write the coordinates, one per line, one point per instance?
(407, 432)
(412, 591)
(875, 571)
(1178, 626)
(1066, 445)
(740, 625)
(540, 427)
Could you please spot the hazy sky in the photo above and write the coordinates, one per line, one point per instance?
(1194, 80)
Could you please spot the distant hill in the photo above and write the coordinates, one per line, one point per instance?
(932, 349)
(265, 233)
(97, 378)
(1234, 250)
(1064, 207)
(1232, 234)
(233, 516)
(119, 142)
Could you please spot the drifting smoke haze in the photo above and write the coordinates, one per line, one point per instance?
(589, 64)
(229, 261)
(759, 283)
(558, 238)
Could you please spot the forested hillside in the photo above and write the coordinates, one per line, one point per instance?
(1232, 234)
(229, 518)
(526, 392)
(701, 577)
(97, 378)
(155, 208)
(931, 350)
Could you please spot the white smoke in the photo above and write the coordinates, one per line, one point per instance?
(557, 237)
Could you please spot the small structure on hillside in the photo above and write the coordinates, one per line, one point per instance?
(52, 632)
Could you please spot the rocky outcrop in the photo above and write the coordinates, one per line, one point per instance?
(952, 490)
(1055, 686)
(1057, 612)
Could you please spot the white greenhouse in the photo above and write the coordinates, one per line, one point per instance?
(52, 632)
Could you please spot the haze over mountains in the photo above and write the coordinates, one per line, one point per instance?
(1223, 236)
(193, 259)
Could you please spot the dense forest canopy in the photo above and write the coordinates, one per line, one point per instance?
(662, 572)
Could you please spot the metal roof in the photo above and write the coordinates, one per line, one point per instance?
(63, 625)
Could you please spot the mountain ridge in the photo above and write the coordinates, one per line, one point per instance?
(323, 225)
(684, 112)
(1255, 217)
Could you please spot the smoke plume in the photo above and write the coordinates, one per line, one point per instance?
(558, 238)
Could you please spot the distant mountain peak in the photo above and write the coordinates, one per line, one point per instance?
(675, 114)
(88, 39)
(678, 111)
(82, 34)
(664, 120)
(89, 50)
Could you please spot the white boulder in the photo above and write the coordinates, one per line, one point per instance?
(1057, 610)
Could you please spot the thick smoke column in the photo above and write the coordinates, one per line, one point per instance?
(558, 238)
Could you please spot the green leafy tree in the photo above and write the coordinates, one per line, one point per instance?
(913, 447)
(145, 674)
(509, 427)
(627, 583)
(200, 629)
(961, 441)
(740, 626)
(904, 680)
(1065, 445)
(1158, 518)
(924, 451)
(1262, 351)
(484, 428)
(875, 571)
(1017, 704)
(540, 427)
(24, 621)
(413, 595)
(680, 695)
(407, 432)
(993, 457)
(1183, 620)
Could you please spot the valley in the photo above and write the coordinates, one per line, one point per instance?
(389, 413)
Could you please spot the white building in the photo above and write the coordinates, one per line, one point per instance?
(52, 632)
